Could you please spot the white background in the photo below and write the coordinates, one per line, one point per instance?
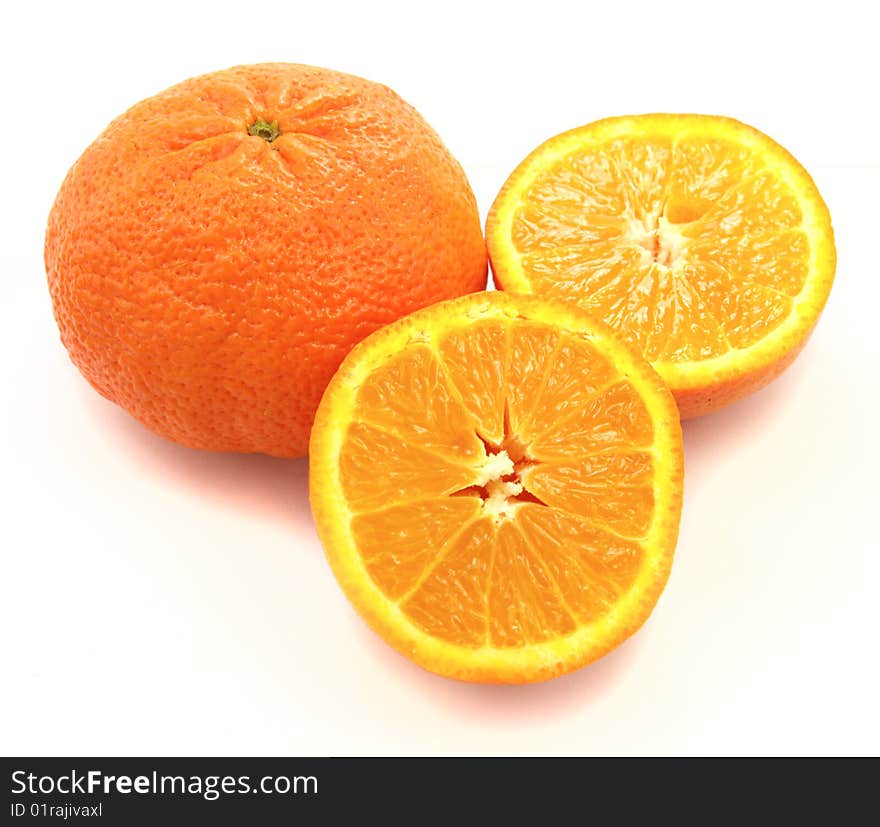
(158, 600)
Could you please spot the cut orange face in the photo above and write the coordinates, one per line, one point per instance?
(700, 241)
(497, 483)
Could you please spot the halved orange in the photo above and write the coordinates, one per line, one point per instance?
(497, 483)
(699, 240)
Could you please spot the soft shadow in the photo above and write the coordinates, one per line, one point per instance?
(488, 702)
(722, 431)
(275, 489)
(278, 489)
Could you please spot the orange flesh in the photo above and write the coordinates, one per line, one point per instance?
(500, 481)
(687, 250)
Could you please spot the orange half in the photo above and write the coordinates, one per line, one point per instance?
(703, 243)
(497, 483)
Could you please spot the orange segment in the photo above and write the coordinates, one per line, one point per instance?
(576, 372)
(776, 260)
(643, 167)
(532, 347)
(474, 359)
(615, 418)
(610, 490)
(403, 475)
(450, 603)
(699, 240)
(399, 543)
(591, 567)
(686, 328)
(701, 173)
(536, 552)
(745, 310)
(525, 606)
(427, 415)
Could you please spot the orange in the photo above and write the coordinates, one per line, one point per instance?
(220, 247)
(497, 483)
(704, 244)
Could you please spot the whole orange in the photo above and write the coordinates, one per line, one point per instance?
(220, 247)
